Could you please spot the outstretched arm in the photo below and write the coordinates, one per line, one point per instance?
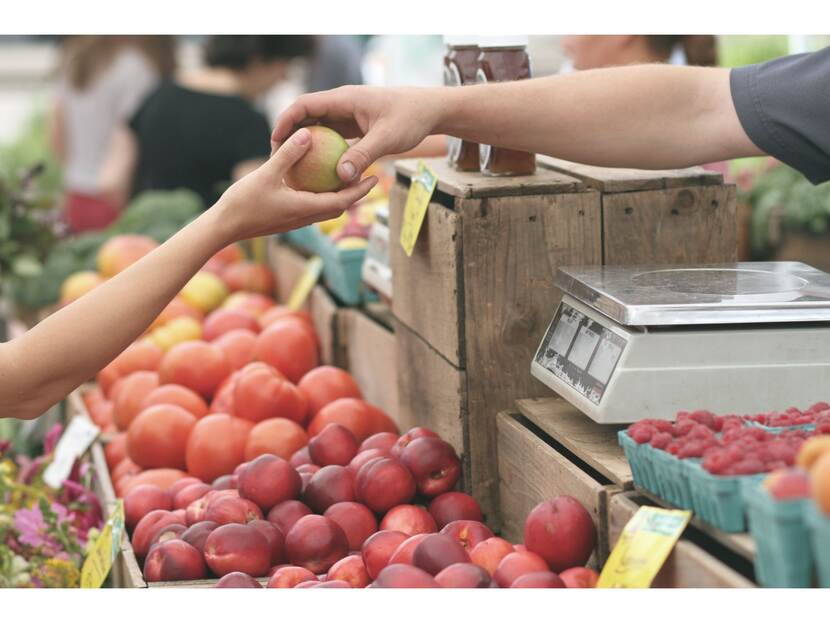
(39, 368)
(646, 116)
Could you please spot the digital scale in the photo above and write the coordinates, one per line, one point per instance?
(633, 342)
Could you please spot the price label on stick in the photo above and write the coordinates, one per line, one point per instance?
(73, 443)
(646, 541)
(420, 191)
(103, 550)
(304, 285)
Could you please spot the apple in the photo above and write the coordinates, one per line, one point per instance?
(316, 171)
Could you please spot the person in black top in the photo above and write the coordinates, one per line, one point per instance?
(202, 131)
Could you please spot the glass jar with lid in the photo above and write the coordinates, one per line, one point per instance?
(504, 59)
(460, 67)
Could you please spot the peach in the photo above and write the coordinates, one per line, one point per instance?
(237, 579)
(579, 577)
(308, 468)
(238, 347)
(174, 560)
(237, 547)
(197, 534)
(467, 532)
(121, 251)
(383, 483)
(515, 565)
(361, 458)
(275, 538)
(379, 441)
(332, 584)
(316, 543)
(789, 483)
(190, 494)
(408, 437)
(404, 576)
(269, 480)
(78, 284)
(316, 171)
(285, 514)
(356, 520)
(279, 436)
(147, 528)
(143, 499)
(334, 445)
(489, 552)
(167, 533)
(437, 552)
(308, 584)
(538, 579)
(227, 481)
(227, 510)
(433, 463)
(300, 457)
(561, 531)
(405, 552)
(350, 569)
(220, 321)
(452, 506)
(464, 575)
(328, 486)
(378, 549)
(811, 450)
(182, 483)
(248, 277)
(289, 577)
(409, 519)
(820, 477)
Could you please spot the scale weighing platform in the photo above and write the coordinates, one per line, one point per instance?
(633, 342)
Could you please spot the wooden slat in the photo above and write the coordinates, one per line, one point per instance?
(430, 390)
(595, 444)
(427, 285)
(209, 583)
(531, 471)
(371, 358)
(465, 184)
(512, 248)
(688, 566)
(616, 180)
(691, 225)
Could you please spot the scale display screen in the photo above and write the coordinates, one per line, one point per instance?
(581, 352)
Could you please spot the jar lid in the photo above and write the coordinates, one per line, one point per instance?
(461, 40)
(503, 41)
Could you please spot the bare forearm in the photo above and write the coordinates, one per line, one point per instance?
(649, 116)
(70, 346)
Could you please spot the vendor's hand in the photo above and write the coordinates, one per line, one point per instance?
(385, 120)
(260, 203)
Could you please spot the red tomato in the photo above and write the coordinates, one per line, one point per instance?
(326, 384)
(288, 346)
(157, 437)
(197, 365)
(178, 395)
(261, 392)
(216, 446)
(238, 346)
(221, 321)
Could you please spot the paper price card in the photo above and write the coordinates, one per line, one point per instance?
(102, 551)
(73, 443)
(645, 543)
(420, 191)
(307, 281)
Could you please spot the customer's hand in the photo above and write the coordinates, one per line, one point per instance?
(385, 120)
(260, 203)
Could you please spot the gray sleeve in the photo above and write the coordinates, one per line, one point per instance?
(784, 107)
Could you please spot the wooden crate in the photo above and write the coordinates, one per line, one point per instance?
(534, 467)
(689, 565)
(475, 297)
(682, 216)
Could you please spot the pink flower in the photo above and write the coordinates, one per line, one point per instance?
(52, 438)
(31, 527)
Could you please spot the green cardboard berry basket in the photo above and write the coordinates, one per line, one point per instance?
(819, 524)
(718, 500)
(784, 555)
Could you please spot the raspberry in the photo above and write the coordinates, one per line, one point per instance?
(748, 466)
(716, 462)
(641, 434)
(818, 407)
(673, 448)
(684, 427)
(660, 440)
(664, 426)
(692, 449)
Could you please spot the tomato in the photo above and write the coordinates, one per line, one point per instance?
(140, 355)
(221, 321)
(238, 346)
(216, 446)
(178, 395)
(248, 277)
(352, 413)
(125, 467)
(197, 365)
(157, 437)
(162, 477)
(277, 436)
(382, 423)
(326, 384)
(251, 302)
(279, 312)
(176, 308)
(230, 254)
(289, 346)
(132, 391)
(116, 450)
(261, 392)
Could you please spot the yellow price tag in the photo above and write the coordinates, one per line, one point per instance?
(103, 550)
(420, 192)
(304, 285)
(646, 541)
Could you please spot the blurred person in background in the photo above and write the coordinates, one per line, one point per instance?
(202, 130)
(599, 51)
(336, 62)
(101, 82)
